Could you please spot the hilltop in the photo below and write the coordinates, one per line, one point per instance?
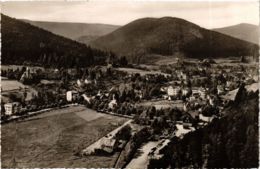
(170, 36)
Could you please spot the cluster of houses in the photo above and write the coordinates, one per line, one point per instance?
(172, 92)
(193, 95)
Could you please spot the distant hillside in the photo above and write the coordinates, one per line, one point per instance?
(244, 31)
(231, 142)
(87, 39)
(24, 43)
(74, 30)
(168, 36)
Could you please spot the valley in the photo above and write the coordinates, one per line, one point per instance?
(129, 85)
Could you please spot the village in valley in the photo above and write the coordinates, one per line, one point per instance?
(126, 84)
(174, 100)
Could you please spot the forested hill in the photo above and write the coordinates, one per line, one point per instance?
(23, 43)
(169, 36)
(231, 142)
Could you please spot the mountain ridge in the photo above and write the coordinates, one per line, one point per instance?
(73, 30)
(244, 31)
(169, 35)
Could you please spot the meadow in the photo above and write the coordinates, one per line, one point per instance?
(51, 139)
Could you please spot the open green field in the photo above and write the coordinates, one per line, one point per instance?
(16, 88)
(50, 139)
(8, 85)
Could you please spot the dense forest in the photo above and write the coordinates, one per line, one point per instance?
(229, 142)
(23, 43)
(169, 36)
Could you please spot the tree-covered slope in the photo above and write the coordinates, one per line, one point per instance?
(229, 142)
(168, 36)
(24, 43)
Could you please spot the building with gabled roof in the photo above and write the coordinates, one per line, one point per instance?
(108, 144)
(12, 108)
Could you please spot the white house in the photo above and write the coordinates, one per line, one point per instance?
(228, 85)
(112, 103)
(202, 92)
(176, 91)
(12, 108)
(182, 131)
(98, 94)
(186, 106)
(213, 101)
(170, 91)
(87, 81)
(192, 98)
(256, 78)
(108, 144)
(221, 89)
(26, 75)
(71, 95)
(173, 91)
(205, 118)
(79, 82)
(185, 91)
(182, 75)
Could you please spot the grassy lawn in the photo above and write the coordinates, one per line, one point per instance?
(49, 141)
(11, 85)
(16, 88)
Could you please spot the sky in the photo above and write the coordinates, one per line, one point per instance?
(208, 14)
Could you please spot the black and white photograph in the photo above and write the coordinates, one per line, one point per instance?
(133, 84)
